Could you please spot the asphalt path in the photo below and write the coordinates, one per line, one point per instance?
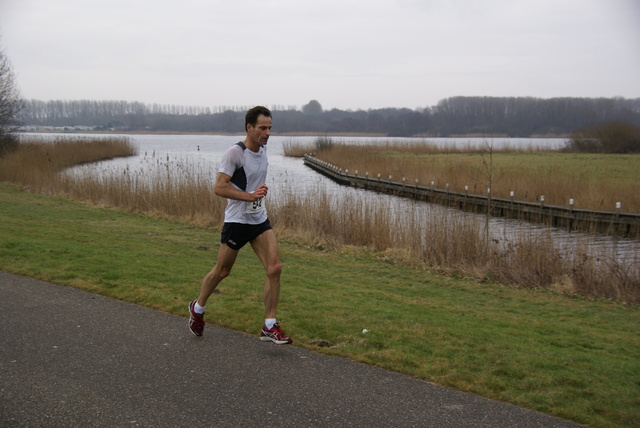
(69, 358)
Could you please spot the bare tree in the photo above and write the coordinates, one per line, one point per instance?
(11, 105)
(489, 172)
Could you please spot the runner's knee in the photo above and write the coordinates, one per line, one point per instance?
(224, 272)
(274, 269)
(220, 272)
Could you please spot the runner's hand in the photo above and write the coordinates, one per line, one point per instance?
(260, 192)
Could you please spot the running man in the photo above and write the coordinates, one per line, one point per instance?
(241, 179)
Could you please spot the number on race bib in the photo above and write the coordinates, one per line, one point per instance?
(255, 206)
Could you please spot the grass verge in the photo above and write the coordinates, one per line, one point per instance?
(570, 357)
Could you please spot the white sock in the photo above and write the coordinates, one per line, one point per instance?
(269, 322)
(199, 309)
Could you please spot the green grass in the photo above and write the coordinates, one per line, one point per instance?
(592, 166)
(570, 357)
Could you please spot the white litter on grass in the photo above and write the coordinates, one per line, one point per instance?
(365, 331)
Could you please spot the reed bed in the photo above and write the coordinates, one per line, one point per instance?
(37, 161)
(163, 187)
(446, 241)
(593, 181)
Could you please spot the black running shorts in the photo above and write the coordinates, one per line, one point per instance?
(236, 235)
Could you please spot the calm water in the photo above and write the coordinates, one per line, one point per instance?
(206, 150)
(291, 175)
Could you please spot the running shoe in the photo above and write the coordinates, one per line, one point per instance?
(196, 320)
(275, 334)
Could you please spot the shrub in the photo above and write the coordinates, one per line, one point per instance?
(8, 143)
(611, 137)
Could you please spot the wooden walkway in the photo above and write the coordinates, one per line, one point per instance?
(609, 222)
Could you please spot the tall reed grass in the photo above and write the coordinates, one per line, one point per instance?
(445, 240)
(454, 243)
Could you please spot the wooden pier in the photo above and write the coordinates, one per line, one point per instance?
(609, 222)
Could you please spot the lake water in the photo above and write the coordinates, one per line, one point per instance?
(291, 175)
(207, 150)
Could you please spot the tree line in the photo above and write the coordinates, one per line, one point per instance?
(490, 116)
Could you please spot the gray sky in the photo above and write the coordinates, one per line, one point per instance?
(345, 54)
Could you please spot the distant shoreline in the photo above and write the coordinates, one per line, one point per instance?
(288, 134)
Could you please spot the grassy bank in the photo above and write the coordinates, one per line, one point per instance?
(570, 357)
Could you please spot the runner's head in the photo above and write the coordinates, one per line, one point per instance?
(251, 118)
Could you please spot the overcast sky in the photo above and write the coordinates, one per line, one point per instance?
(345, 54)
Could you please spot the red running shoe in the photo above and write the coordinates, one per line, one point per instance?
(196, 320)
(275, 334)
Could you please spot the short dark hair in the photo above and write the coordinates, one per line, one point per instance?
(252, 115)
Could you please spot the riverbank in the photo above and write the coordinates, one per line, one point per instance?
(446, 240)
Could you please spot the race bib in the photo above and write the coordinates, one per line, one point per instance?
(255, 206)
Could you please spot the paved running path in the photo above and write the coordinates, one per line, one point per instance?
(70, 358)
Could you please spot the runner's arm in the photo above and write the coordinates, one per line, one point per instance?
(224, 189)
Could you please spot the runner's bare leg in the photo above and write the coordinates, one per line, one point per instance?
(266, 248)
(222, 269)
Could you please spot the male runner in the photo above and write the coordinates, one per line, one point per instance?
(241, 179)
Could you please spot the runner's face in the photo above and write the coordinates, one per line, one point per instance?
(260, 133)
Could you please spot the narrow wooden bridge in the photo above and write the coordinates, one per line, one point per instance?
(613, 223)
